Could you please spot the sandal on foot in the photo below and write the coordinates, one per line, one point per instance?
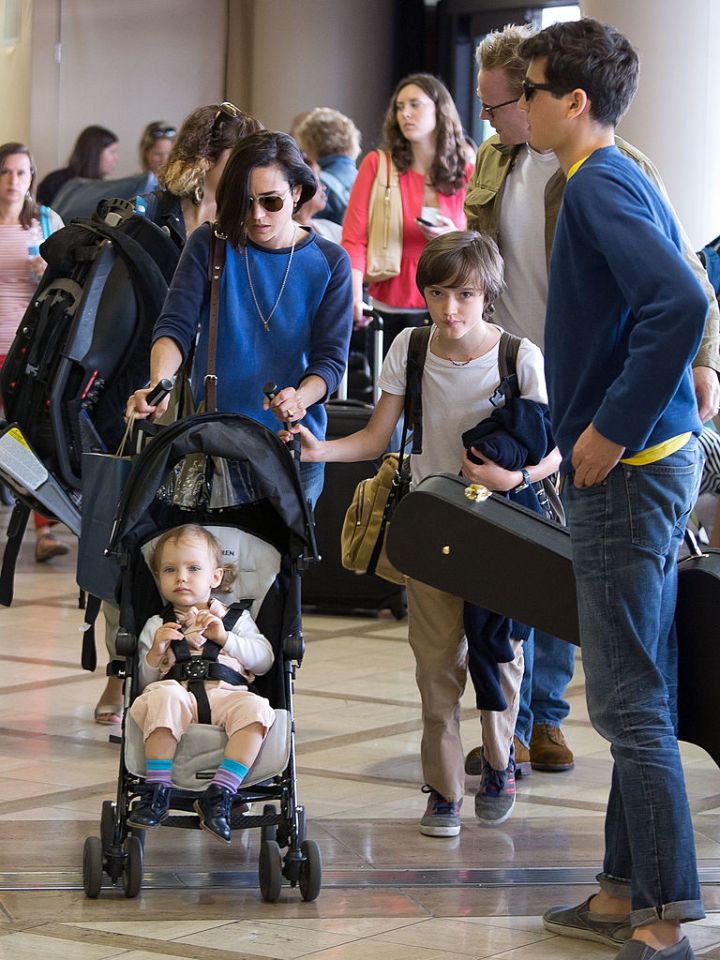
(108, 713)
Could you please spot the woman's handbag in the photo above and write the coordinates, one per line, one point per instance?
(385, 223)
(367, 520)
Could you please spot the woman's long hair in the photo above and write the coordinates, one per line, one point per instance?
(264, 149)
(29, 210)
(204, 135)
(85, 157)
(447, 173)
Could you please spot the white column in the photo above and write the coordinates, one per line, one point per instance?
(675, 117)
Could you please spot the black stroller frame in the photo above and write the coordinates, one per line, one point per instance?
(272, 507)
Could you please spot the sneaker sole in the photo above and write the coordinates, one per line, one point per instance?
(497, 820)
(439, 831)
(581, 933)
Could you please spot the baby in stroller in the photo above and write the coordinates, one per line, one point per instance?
(196, 660)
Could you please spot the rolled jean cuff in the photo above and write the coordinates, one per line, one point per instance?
(614, 886)
(680, 911)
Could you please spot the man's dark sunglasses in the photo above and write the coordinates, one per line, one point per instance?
(529, 89)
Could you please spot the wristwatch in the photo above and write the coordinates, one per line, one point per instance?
(526, 481)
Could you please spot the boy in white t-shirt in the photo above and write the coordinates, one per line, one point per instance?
(460, 274)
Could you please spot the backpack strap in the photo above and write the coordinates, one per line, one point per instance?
(509, 386)
(417, 351)
(45, 223)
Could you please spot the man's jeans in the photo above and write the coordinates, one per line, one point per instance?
(625, 538)
(549, 666)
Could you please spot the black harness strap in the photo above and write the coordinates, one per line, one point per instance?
(197, 669)
(509, 386)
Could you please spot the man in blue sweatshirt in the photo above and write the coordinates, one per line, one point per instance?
(625, 318)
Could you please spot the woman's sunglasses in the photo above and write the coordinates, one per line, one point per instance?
(226, 111)
(272, 202)
(163, 133)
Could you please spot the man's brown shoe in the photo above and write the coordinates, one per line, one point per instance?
(548, 750)
(474, 761)
(522, 760)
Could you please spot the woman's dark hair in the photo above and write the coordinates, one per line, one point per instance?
(264, 149)
(204, 135)
(85, 157)
(593, 57)
(29, 210)
(459, 258)
(447, 173)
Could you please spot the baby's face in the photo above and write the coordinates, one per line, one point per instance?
(187, 573)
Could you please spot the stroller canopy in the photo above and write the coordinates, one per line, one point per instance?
(260, 483)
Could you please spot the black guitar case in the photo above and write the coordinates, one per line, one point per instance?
(512, 561)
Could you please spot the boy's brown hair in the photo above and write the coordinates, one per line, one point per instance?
(459, 258)
(193, 531)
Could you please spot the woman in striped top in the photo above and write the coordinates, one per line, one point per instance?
(23, 227)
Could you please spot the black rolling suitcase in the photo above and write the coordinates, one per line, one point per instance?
(510, 560)
(326, 586)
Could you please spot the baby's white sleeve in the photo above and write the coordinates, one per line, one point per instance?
(147, 673)
(246, 644)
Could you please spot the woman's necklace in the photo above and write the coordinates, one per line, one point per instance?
(266, 320)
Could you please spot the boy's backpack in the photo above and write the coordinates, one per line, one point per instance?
(83, 345)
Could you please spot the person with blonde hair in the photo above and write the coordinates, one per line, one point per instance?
(186, 195)
(154, 148)
(331, 140)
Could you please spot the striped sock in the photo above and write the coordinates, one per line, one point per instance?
(230, 774)
(159, 771)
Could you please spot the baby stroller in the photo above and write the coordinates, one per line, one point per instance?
(236, 477)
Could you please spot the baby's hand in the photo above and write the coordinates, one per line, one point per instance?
(164, 636)
(211, 626)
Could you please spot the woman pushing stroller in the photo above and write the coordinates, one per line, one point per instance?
(187, 564)
(285, 306)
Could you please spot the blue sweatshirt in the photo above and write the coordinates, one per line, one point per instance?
(309, 331)
(625, 313)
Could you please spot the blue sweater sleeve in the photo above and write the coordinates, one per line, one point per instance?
(634, 234)
(188, 298)
(332, 324)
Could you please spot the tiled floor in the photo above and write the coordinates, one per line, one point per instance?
(389, 893)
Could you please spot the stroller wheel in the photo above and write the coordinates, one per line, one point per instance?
(107, 824)
(310, 870)
(133, 871)
(269, 830)
(270, 871)
(92, 867)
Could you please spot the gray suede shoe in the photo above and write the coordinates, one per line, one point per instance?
(636, 950)
(578, 922)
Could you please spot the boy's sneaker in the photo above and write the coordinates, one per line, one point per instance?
(441, 817)
(495, 799)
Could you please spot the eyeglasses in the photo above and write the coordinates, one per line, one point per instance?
(162, 133)
(529, 89)
(271, 202)
(491, 110)
(226, 111)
